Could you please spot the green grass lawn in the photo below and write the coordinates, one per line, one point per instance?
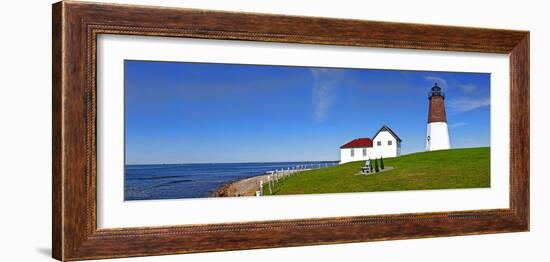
(454, 168)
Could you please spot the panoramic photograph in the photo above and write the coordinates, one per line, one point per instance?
(198, 130)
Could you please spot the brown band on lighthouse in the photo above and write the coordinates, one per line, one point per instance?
(436, 112)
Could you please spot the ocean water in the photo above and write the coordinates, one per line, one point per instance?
(175, 181)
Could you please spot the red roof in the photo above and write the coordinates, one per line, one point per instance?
(358, 142)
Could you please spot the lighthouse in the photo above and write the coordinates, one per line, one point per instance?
(437, 136)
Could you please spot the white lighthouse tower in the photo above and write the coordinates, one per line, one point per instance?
(437, 137)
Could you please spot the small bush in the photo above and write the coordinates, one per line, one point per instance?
(382, 163)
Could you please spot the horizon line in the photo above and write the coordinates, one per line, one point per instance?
(251, 162)
(263, 162)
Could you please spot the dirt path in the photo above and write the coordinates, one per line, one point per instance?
(388, 168)
(243, 187)
(248, 186)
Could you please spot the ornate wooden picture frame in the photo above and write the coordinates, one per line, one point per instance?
(76, 26)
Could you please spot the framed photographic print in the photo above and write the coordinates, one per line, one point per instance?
(181, 130)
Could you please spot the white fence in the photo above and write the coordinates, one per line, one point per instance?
(275, 176)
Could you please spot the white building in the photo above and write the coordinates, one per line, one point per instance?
(385, 143)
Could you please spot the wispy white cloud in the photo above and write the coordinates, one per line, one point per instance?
(465, 104)
(325, 82)
(440, 81)
(468, 88)
(458, 124)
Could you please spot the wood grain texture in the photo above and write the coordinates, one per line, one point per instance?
(57, 195)
(520, 130)
(76, 26)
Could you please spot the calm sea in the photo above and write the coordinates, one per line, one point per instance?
(173, 181)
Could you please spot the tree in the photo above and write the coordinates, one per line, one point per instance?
(382, 163)
(376, 165)
(370, 165)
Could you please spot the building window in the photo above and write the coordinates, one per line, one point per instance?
(389, 143)
(379, 143)
(364, 152)
(352, 153)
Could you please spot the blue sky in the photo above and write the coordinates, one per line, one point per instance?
(214, 113)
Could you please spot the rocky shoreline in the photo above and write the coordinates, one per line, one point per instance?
(223, 191)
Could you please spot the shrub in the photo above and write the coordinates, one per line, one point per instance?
(382, 163)
(376, 165)
(370, 166)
